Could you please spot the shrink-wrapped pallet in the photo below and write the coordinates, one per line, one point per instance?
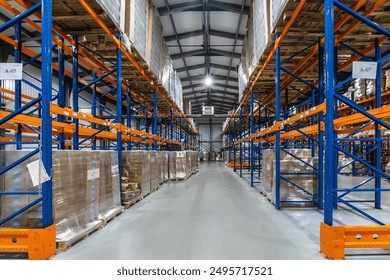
(136, 169)
(166, 65)
(194, 162)
(297, 176)
(188, 163)
(134, 23)
(267, 171)
(242, 70)
(112, 9)
(155, 175)
(387, 81)
(277, 9)
(154, 40)
(261, 25)
(359, 88)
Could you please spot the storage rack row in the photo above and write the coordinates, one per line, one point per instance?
(296, 99)
(80, 99)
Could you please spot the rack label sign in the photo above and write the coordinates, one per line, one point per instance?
(11, 71)
(364, 70)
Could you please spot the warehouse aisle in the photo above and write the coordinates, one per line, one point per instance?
(213, 215)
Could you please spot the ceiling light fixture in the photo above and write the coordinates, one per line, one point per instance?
(208, 81)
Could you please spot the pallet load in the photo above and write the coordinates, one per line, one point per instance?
(179, 165)
(294, 171)
(194, 162)
(85, 192)
(163, 165)
(154, 40)
(155, 171)
(387, 81)
(136, 172)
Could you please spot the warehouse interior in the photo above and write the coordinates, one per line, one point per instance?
(202, 129)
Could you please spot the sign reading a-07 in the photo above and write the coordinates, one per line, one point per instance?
(11, 71)
(364, 70)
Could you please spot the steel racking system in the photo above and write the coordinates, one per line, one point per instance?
(299, 85)
(51, 117)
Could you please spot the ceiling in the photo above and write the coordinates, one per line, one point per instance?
(204, 38)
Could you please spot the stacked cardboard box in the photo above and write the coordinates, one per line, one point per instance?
(154, 40)
(387, 81)
(162, 157)
(155, 170)
(85, 192)
(194, 162)
(136, 170)
(179, 165)
(297, 174)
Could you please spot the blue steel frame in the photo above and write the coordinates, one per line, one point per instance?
(333, 194)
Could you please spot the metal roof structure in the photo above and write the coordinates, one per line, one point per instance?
(205, 38)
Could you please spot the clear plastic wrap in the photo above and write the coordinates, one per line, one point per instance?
(134, 23)
(370, 87)
(194, 162)
(277, 8)
(166, 66)
(154, 40)
(155, 175)
(387, 81)
(261, 26)
(178, 96)
(179, 167)
(251, 50)
(113, 9)
(295, 168)
(172, 85)
(242, 79)
(359, 88)
(136, 170)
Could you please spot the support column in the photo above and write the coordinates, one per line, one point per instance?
(154, 129)
(252, 131)
(18, 83)
(61, 90)
(75, 89)
(46, 129)
(277, 119)
(378, 134)
(128, 115)
(320, 132)
(330, 168)
(119, 109)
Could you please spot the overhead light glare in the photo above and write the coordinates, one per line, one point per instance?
(208, 81)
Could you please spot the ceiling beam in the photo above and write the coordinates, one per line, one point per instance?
(212, 91)
(184, 35)
(224, 34)
(200, 66)
(211, 52)
(197, 6)
(214, 77)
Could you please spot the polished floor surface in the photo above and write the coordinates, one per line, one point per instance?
(212, 215)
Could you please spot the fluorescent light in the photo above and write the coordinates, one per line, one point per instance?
(208, 81)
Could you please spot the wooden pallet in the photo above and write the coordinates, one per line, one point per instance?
(130, 203)
(63, 246)
(112, 217)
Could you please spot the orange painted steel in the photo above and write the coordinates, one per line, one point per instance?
(40, 244)
(335, 239)
(359, 118)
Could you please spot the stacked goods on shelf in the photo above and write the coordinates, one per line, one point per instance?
(261, 26)
(136, 170)
(163, 165)
(134, 23)
(113, 9)
(166, 67)
(18, 179)
(178, 98)
(277, 9)
(195, 162)
(242, 72)
(387, 81)
(179, 165)
(251, 51)
(188, 163)
(155, 171)
(85, 191)
(295, 171)
(154, 40)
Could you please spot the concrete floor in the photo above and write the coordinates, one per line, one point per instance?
(212, 215)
